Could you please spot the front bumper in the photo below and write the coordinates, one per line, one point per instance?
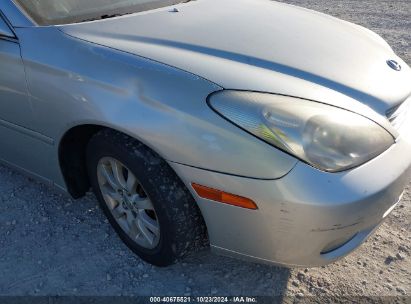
(308, 217)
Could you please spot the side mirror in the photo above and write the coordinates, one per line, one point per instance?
(5, 30)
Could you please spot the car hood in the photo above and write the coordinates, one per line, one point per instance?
(261, 46)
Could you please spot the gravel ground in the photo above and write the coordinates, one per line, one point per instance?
(52, 245)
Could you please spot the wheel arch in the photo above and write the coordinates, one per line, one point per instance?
(72, 157)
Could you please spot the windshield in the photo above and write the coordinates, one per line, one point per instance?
(49, 12)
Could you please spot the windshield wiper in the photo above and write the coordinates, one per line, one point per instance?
(106, 16)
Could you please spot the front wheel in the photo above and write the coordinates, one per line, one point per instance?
(145, 202)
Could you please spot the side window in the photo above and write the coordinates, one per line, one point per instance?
(5, 30)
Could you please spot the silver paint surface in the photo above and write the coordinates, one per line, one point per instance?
(149, 75)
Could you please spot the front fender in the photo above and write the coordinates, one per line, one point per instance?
(73, 82)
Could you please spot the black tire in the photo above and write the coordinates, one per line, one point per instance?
(182, 229)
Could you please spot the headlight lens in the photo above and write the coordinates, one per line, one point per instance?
(326, 137)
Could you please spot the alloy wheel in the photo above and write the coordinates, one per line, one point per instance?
(128, 203)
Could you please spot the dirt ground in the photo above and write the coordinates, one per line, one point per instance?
(52, 245)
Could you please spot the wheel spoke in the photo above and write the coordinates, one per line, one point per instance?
(130, 218)
(149, 223)
(118, 211)
(141, 203)
(134, 230)
(131, 182)
(114, 195)
(117, 169)
(108, 177)
(145, 232)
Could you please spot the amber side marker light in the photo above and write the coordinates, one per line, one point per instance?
(224, 197)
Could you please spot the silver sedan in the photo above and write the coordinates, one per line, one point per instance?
(266, 131)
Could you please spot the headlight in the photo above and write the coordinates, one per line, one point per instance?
(326, 137)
